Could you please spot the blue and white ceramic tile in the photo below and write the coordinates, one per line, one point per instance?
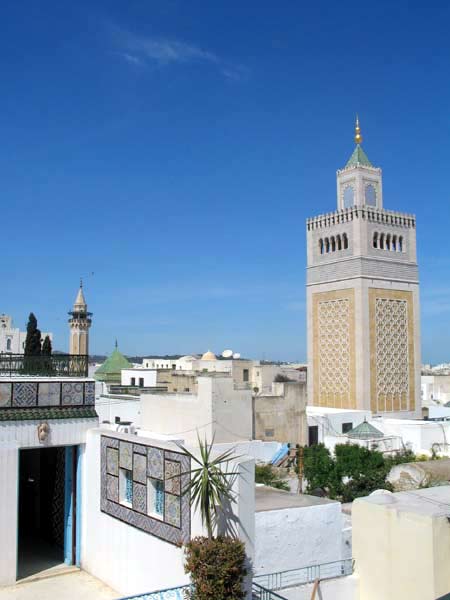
(172, 513)
(72, 393)
(125, 455)
(5, 394)
(24, 394)
(140, 497)
(112, 488)
(49, 394)
(140, 468)
(172, 481)
(155, 462)
(89, 392)
(112, 461)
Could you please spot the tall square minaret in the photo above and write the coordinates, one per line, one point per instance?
(363, 299)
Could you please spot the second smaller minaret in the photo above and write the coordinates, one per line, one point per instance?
(79, 323)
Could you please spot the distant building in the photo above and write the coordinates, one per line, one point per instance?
(12, 340)
(110, 371)
(281, 414)
(216, 407)
(258, 376)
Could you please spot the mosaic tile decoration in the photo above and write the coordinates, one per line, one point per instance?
(172, 509)
(172, 482)
(24, 394)
(126, 455)
(139, 468)
(112, 488)
(89, 392)
(155, 463)
(72, 393)
(49, 394)
(5, 394)
(140, 497)
(175, 527)
(112, 461)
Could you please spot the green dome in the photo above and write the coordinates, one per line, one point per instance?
(109, 371)
(365, 431)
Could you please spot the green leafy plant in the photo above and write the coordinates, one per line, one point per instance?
(210, 485)
(217, 568)
(267, 475)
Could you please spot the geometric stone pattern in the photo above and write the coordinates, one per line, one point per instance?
(334, 352)
(28, 394)
(391, 352)
(172, 469)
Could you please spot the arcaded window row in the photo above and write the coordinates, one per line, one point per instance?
(334, 243)
(387, 241)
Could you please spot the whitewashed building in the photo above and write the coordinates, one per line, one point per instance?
(12, 340)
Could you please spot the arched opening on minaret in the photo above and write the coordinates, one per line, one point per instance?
(333, 244)
(345, 238)
(375, 239)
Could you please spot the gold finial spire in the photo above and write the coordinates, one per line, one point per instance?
(358, 136)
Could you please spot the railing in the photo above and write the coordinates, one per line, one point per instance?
(261, 593)
(177, 593)
(56, 365)
(294, 577)
(182, 593)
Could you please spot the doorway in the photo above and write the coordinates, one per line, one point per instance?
(47, 494)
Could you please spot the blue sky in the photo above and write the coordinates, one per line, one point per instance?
(169, 152)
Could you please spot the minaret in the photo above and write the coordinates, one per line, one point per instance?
(79, 322)
(363, 299)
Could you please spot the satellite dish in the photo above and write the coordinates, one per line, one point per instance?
(227, 353)
(236, 355)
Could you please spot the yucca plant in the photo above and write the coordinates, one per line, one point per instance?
(210, 485)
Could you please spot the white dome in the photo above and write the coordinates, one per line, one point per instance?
(209, 356)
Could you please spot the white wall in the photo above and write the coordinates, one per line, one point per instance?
(330, 420)
(148, 375)
(296, 537)
(260, 451)
(216, 407)
(110, 407)
(418, 435)
(128, 559)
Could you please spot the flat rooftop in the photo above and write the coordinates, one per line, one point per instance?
(269, 498)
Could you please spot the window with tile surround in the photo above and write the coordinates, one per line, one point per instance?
(155, 501)
(125, 487)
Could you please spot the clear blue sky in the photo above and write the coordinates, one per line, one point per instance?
(174, 149)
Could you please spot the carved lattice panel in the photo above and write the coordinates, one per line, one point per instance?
(334, 352)
(392, 355)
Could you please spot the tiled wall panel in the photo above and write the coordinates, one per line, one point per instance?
(143, 462)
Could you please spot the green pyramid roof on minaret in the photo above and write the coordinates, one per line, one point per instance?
(109, 371)
(359, 157)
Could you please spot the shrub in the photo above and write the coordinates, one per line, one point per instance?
(267, 475)
(216, 567)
